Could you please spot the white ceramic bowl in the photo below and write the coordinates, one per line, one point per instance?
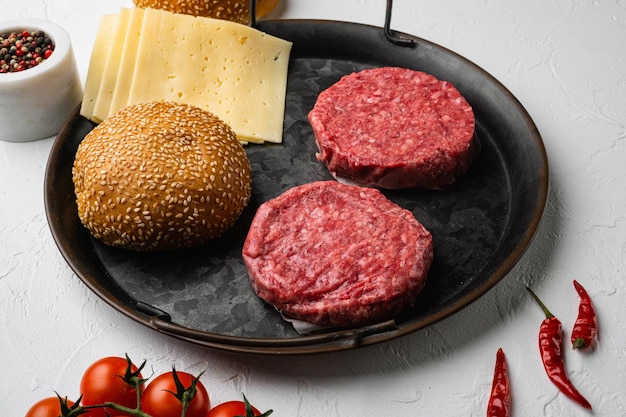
(35, 103)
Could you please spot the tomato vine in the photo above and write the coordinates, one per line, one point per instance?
(106, 391)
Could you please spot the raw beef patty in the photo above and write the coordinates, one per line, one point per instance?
(394, 128)
(337, 255)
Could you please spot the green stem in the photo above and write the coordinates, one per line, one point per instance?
(136, 412)
(138, 383)
(541, 304)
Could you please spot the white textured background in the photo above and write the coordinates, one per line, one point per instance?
(565, 60)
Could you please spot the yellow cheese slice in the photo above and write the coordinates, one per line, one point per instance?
(128, 58)
(109, 76)
(236, 72)
(103, 42)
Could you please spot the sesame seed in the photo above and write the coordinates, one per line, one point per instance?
(133, 164)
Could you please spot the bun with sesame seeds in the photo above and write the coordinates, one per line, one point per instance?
(233, 10)
(160, 176)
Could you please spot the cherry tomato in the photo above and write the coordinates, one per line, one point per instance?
(231, 409)
(48, 407)
(104, 381)
(159, 399)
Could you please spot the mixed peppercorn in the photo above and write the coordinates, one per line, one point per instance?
(20, 51)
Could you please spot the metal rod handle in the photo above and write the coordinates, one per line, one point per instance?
(390, 35)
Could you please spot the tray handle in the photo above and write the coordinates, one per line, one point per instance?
(252, 9)
(162, 322)
(391, 36)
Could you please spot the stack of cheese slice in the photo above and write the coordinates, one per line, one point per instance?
(236, 72)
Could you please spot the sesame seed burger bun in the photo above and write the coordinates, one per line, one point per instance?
(160, 176)
(233, 10)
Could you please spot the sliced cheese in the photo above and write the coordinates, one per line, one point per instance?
(236, 72)
(103, 42)
(126, 67)
(109, 76)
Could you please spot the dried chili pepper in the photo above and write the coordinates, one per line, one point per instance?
(550, 339)
(586, 325)
(500, 399)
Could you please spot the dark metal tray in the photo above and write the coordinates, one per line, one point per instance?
(481, 225)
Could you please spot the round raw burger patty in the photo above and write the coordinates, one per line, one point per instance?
(337, 255)
(394, 128)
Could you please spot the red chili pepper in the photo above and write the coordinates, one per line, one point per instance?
(586, 326)
(550, 339)
(500, 399)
